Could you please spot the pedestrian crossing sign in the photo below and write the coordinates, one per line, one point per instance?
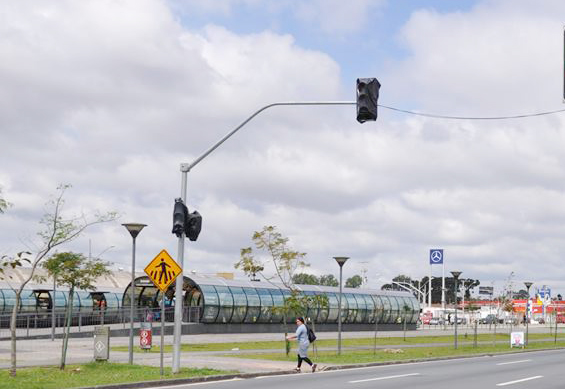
(163, 270)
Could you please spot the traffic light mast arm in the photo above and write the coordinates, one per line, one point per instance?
(188, 167)
(185, 168)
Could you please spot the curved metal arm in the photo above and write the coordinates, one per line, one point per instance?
(188, 167)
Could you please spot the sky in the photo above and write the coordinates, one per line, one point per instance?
(111, 96)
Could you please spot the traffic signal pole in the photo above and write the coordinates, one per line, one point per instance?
(185, 168)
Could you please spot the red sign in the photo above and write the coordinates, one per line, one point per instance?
(145, 338)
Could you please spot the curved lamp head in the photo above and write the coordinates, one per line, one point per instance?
(134, 228)
(341, 260)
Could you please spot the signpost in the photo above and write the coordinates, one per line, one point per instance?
(163, 271)
(517, 339)
(436, 258)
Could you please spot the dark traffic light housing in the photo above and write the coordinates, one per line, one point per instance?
(189, 223)
(367, 96)
(193, 225)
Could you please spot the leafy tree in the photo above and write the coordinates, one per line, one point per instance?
(354, 282)
(521, 294)
(286, 263)
(77, 272)
(305, 279)
(405, 310)
(248, 265)
(3, 203)
(329, 280)
(56, 230)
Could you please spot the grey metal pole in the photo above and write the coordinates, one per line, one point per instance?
(53, 308)
(179, 283)
(456, 275)
(339, 312)
(162, 345)
(132, 300)
(528, 285)
(455, 313)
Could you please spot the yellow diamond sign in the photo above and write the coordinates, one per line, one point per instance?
(163, 270)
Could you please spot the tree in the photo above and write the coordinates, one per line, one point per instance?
(56, 230)
(354, 282)
(329, 280)
(305, 279)
(77, 272)
(286, 262)
(406, 309)
(3, 203)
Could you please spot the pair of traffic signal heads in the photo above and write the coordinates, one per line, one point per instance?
(367, 96)
(189, 223)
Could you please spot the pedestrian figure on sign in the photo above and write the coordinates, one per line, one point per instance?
(163, 273)
(301, 337)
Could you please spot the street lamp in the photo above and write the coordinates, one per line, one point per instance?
(528, 285)
(456, 275)
(134, 230)
(340, 261)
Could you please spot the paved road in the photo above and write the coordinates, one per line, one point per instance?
(542, 369)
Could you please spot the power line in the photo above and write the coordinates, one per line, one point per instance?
(472, 117)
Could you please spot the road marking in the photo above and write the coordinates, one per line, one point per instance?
(385, 378)
(518, 381)
(509, 363)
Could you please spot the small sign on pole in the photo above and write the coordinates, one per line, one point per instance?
(163, 271)
(145, 336)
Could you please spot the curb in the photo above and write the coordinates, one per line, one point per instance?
(180, 381)
(212, 378)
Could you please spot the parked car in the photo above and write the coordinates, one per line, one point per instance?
(511, 320)
(461, 320)
(490, 319)
(426, 319)
(434, 321)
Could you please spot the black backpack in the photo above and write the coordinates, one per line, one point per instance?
(311, 334)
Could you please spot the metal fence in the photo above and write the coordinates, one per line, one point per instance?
(47, 323)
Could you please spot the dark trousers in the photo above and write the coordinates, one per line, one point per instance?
(300, 359)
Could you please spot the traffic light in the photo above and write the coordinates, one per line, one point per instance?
(367, 96)
(193, 225)
(189, 223)
(180, 214)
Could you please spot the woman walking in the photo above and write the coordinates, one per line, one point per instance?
(301, 337)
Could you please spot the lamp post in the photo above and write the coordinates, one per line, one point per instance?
(456, 275)
(134, 230)
(528, 285)
(340, 261)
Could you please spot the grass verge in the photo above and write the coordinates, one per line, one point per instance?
(92, 374)
(391, 355)
(360, 342)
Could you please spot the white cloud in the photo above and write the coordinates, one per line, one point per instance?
(112, 96)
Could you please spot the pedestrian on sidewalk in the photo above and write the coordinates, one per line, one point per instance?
(301, 337)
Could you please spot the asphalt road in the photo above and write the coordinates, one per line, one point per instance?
(543, 369)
